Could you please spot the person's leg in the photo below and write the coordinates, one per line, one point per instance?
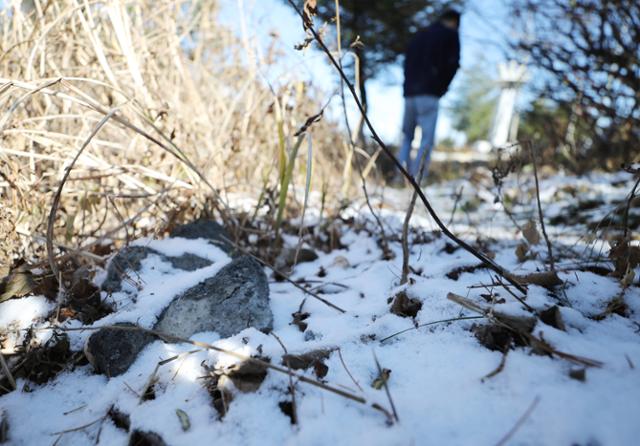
(426, 117)
(408, 128)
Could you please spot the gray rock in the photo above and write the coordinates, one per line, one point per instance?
(188, 262)
(111, 351)
(234, 299)
(207, 229)
(128, 261)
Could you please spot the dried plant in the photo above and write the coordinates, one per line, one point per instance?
(192, 120)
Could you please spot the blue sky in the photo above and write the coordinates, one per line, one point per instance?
(482, 35)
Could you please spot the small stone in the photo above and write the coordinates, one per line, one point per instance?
(234, 299)
(141, 438)
(207, 229)
(111, 351)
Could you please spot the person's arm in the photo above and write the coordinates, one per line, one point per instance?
(450, 63)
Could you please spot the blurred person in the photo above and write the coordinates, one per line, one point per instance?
(431, 61)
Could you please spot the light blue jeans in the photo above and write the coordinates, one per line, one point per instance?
(419, 111)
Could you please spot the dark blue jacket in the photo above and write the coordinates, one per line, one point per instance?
(431, 61)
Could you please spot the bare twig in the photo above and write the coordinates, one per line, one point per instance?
(519, 423)
(58, 195)
(540, 215)
(465, 318)
(455, 204)
(347, 369)
(500, 367)
(405, 226)
(292, 387)
(7, 372)
(625, 216)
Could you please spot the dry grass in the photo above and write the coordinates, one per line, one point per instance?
(192, 120)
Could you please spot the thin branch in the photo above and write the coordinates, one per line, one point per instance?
(465, 318)
(7, 372)
(344, 364)
(58, 196)
(540, 215)
(519, 423)
(292, 387)
(405, 225)
(625, 217)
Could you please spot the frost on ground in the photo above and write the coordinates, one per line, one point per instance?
(448, 382)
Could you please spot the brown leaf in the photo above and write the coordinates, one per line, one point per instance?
(314, 358)
(546, 279)
(381, 379)
(521, 252)
(404, 306)
(530, 233)
(247, 376)
(578, 374)
(299, 320)
(553, 317)
(309, 11)
(308, 123)
(624, 256)
(17, 284)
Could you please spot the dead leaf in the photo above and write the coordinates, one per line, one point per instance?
(308, 12)
(404, 306)
(18, 283)
(341, 262)
(308, 123)
(530, 233)
(381, 379)
(246, 376)
(578, 374)
(298, 320)
(521, 252)
(624, 256)
(546, 279)
(553, 317)
(185, 423)
(628, 278)
(304, 361)
(120, 419)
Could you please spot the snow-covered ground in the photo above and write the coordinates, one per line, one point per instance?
(438, 380)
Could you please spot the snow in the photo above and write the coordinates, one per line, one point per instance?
(16, 315)
(438, 380)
